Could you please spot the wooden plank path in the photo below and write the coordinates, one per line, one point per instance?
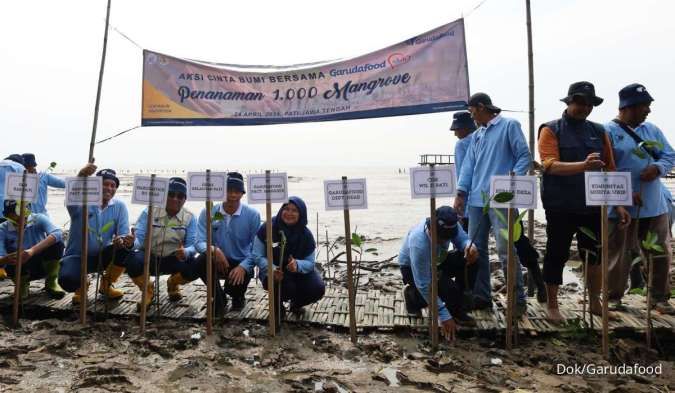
(375, 309)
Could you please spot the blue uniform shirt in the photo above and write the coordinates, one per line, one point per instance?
(654, 202)
(46, 180)
(259, 258)
(461, 147)
(115, 213)
(416, 253)
(7, 166)
(496, 149)
(182, 227)
(233, 235)
(38, 227)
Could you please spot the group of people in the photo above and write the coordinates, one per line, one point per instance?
(491, 145)
(178, 243)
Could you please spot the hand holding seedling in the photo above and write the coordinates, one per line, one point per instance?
(237, 275)
(88, 170)
(471, 254)
(292, 264)
(278, 274)
(650, 173)
(180, 252)
(624, 217)
(593, 162)
(222, 265)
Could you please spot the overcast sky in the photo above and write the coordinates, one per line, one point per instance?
(51, 50)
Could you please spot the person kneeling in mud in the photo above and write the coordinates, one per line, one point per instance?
(42, 249)
(173, 238)
(414, 261)
(293, 257)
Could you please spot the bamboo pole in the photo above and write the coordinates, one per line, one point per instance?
(530, 69)
(604, 229)
(146, 259)
(19, 252)
(100, 84)
(350, 275)
(510, 282)
(433, 311)
(650, 277)
(270, 256)
(84, 282)
(209, 258)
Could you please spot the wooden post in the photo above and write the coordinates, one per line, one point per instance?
(350, 275)
(100, 85)
(146, 259)
(209, 258)
(19, 253)
(84, 282)
(270, 256)
(510, 280)
(433, 307)
(530, 69)
(604, 229)
(650, 277)
(585, 283)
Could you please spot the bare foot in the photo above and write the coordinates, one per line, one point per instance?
(554, 316)
(596, 309)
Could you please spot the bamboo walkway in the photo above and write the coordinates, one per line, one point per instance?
(375, 310)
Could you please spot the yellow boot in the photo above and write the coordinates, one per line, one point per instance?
(150, 290)
(173, 284)
(112, 273)
(3, 273)
(77, 296)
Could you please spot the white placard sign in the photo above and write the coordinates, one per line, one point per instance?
(257, 188)
(14, 186)
(428, 182)
(199, 188)
(77, 187)
(142, 194)
(356, 192)
(608, 188)
(524, 189)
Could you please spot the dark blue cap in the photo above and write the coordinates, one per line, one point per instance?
(16, 158)
(29, 159)
(462, 120)
(634, 94)
(235, 182)
(177, 184)
(482, 99)
(109, 174)
(583, 89)
(446, 222)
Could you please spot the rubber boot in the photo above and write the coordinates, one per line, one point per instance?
(52, 286)
(150, 290)
(77, 296)
(552, 310)
(25, 286)
(173, 284)
(3, 273)
(112, 273)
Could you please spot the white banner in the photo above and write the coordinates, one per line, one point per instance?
(355, 196)
(14, 186)
(199, 189)
(78, 187)
(524, 189)
(608, 189)
(258, 189)
(424, 74)
(143, 194)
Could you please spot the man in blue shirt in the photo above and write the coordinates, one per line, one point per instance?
(233, 230)
(109, 235)
(42, 249)
(498, 147)
(11, 164)
(415, 263)
(173, 238)
(462, 125)
(46, 180)
(651, 209)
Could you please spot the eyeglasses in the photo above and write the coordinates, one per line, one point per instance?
(178, 195)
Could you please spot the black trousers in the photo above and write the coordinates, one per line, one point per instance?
(451, 282)
(235, 291)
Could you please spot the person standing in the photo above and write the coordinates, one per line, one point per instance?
(46, 180)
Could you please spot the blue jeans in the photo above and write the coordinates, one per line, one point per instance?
(69, 275)
(482, 288)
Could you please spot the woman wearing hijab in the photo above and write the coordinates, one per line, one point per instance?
(300, 283)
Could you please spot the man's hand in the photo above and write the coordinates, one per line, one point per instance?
(292, 264)
(593, 162)
(471, 254)
(278, 275)
(449, 329)
(87, 170)
(180, 253)
(650, 173)
(128, 240)
(459, 205)
(237, 275)
(118, 242)
(623, 217)
(222, 266)
(637, 199)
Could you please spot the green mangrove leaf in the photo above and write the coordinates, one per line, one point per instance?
(500, 216)
(635, 261)
(107, 226)
(586, 231)
(517, 232)
(218, 217)
(650, 144)
(357, 240)
(504, 233)
(657, 248)
(639, 153)
(371, 250)
(503, 197)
